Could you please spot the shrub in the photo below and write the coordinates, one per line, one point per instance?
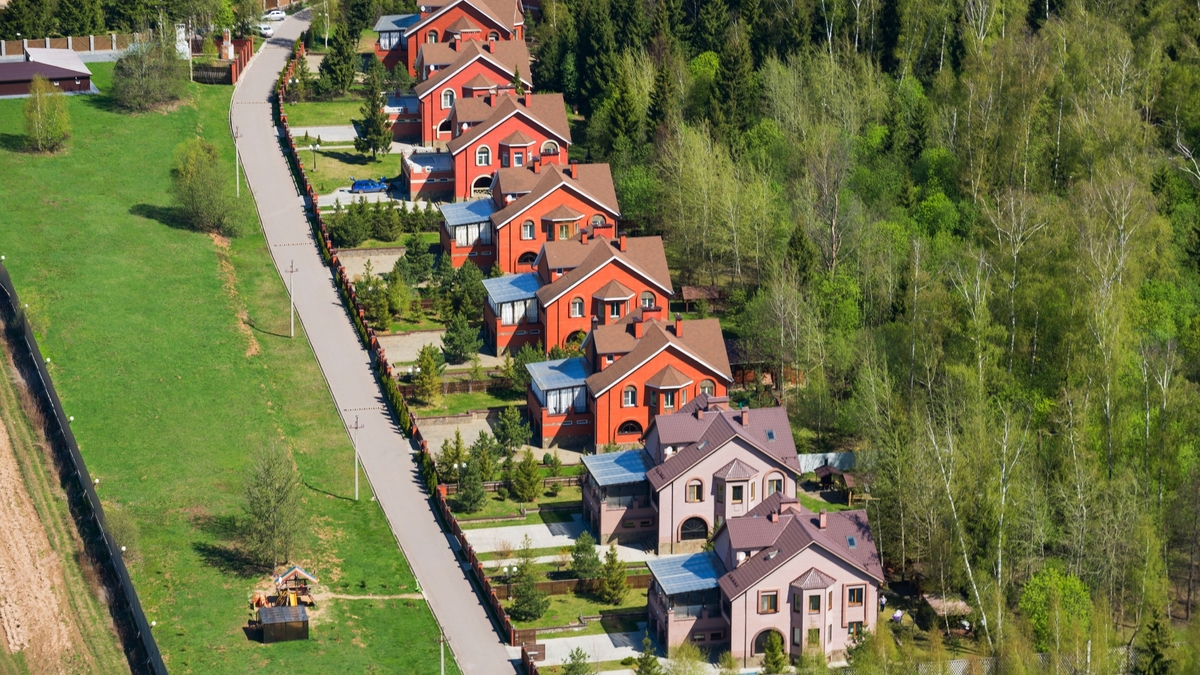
(349, 227)
(577, 663)
(775, 660)
(149, 75)
(546, 459)
(47, 125)
(502, 493)
(201, 188)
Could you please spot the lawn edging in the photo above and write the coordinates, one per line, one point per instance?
(138, 641)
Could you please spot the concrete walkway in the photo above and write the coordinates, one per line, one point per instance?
(386, 455)
(602, 647)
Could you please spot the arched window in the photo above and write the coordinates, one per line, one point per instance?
(431, 37)
(527, 230)
(695, 490)
(598, 219)
(483, 156)
(693, 529)
(526, 258)
(482, 185)
(647, 299)
(493, 36)
(760, 642)
(444, 127)
(774, 484)
(447, 98)
(630, 427)
(707, 387)
(629, 397)
(549, 148)
(576, 308)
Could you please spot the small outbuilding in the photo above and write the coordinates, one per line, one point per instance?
(283, 624)
(827, 474)
(62, 67)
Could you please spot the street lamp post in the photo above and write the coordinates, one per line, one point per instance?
(356, 427)
(237, 173)
(314, 147)
(291, 300)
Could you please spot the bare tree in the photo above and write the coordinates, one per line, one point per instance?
(1016, 221)
(833, 226)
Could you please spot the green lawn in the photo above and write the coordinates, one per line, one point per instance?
(815, 505)
(453, 404)
(427, 323)
(171, 393)
(539, 518)
(567, 608)
(323, 113)
(494, 507)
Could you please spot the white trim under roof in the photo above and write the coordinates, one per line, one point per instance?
(615, 258)
(522, 110)
(656, 353)
(420, 24)
(463, 67)
(574, 186)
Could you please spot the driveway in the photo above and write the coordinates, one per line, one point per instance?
(603, 647)
(387, 456)
(342, 133)
(554, 535)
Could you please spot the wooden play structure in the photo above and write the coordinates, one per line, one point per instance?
(282, 616)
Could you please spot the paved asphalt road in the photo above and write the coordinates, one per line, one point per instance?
(386, 455)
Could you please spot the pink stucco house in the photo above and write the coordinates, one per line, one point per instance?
(812, 577)
(701, 465)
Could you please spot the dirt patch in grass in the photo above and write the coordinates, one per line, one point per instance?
(229, 276)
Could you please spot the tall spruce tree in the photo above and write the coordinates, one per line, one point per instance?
(737, 90)
(375, 131)
(597, 54)
(665, 97)
(527, 478)
(631, 22)
(471, 495)
(26, 19)
(340, 64)
(613, 582)
(709, 31)
(80, 17)
(530, 603)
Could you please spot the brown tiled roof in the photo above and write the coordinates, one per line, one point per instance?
(472, 110)
(544, 110)
(509, 55)
(668, 378)
(643, 256)
(562, 212)
(478, 82)
(613, 290)
(594, 181)
(736, 470)
(751, 532)
(517, 138)
(506, 13)
(814, 579)
(463, 25)
(801, 530)
(702, 339)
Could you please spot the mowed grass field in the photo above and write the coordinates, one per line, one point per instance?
(170, 351)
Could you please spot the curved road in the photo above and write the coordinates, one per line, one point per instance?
(386, 454)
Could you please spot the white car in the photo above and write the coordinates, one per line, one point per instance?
(265, 30)
(276, 15)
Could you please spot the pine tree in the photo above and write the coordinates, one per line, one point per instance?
(375, 133)
(79, 18)
(647, 661)
(585, 562)
(1153, 655)
(577, 663)
(483, 453)
(625, 121)
(613, 582)
(529, 604)
(47, 124)
(339, 65)
(461, 340)
(451, 459)
(511, 431)
(775, 660)
(737, 90)
(471, 495)
(597, 54)
(709, 32)
(428, 381)
(527, 478)
(665, 96)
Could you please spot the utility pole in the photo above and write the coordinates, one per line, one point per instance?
(291, 300)
(356, 427)
(442, 649)
(326, 22)
(237, 158)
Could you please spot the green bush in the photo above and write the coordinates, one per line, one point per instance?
(150, 74)
(199, 186)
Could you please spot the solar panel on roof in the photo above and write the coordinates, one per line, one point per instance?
(512, 287)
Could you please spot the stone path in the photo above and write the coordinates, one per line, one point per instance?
(386, 455)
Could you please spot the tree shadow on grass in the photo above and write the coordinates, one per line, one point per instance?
(12, 142)
(353, 158)
(254, 326)
(103, 102)
(228, 559)
(167, 215)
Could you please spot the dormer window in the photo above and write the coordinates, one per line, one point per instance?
(608, 359)
(614, 310)
(851, 542)
(770, 434)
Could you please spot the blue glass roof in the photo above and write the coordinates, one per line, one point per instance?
(618, 468)
(465, 213)
(686, 573)
(512, 287)
(559, 374)
(389, 22)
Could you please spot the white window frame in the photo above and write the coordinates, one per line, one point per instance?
(519, 158)
(576, 308)
(447, 93)
(629, 397)
(527, 231)
(486, 153)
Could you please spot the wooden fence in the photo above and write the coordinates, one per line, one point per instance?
(494, 485)
(462, 386)
(225, 71)
(82, 43)
(565, 586)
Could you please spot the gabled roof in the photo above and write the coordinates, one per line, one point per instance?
(736, 470)
(755, 532)
(505, 14)
(562, 213)
(594, 184)
(643, 257)
(463, 25)
(546, 111)
(813, 580)
(518, 139)
(507, 55)
(797, 529)
(613, 290)
(702, 342)
(478, 82)
(668, 378)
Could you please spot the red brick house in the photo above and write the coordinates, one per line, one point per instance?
(501, 130)
(578, 284)
(632, 370)
(530, 206)
(403, 37)
(462, 70)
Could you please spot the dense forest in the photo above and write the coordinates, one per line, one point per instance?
(970, 231)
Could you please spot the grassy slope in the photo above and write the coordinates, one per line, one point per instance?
(148, 357)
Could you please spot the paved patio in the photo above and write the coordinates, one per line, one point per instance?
(603, 647)
(342, 133)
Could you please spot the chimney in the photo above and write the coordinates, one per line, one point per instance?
(574, 169)
(774, 517)
(822, 519)
(536, 160)
(488, 46)
(699, 413)
(637, 328)
(527, 98)
(745, 416)
(622, 242)
(678, 317)
(583, 235)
